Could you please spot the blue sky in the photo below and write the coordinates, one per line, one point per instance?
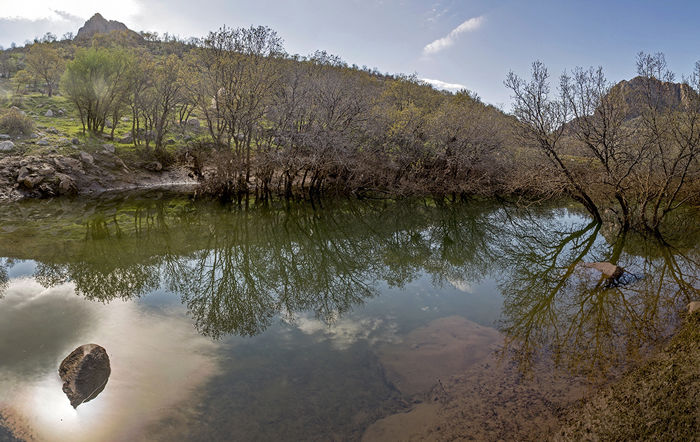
(473, 43)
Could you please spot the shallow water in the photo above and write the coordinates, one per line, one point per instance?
(307, 323)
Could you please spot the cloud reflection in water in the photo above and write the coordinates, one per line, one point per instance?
(158, 364)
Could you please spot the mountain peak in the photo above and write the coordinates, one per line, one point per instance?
(97, 24)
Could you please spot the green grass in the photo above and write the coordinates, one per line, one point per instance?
(68, 127)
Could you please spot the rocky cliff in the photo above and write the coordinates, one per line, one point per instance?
(99, 25)
(668, 95)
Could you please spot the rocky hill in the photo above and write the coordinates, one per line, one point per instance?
(669, 95)
(99, 25)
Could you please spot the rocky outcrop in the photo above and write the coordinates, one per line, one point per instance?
(670, 96)
(84, 373)
(83, 173)
(99, 25)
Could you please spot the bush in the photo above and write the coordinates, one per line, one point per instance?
(14, 122)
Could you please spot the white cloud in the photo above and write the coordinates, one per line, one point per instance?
(56, 10)
(344, 332)
(438, 45)
(439, 84)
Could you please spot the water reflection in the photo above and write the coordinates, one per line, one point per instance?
(237, 270)
(557, 306)
(146, 354)
(330, 295)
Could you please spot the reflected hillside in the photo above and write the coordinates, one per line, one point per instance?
(236, 270)
(555, 304)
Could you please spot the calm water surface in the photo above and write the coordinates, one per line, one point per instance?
(303, 323)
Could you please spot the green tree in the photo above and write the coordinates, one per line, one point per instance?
(97, 82)
(45, 62)
(21, 80)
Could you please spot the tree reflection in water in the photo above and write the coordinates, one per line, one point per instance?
(588, 323)
(238, 270)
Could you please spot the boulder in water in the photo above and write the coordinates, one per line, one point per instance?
(694, 307)
(84, 373)
(607, 269)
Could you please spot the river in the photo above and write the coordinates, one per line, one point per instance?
(339, 321)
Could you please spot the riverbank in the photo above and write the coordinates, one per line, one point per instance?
(83, 173)
(660, 400)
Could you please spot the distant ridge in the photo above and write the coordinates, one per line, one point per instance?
(99, 25)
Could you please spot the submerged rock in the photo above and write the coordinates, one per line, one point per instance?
(84, 373)
(606, 268)
(694, 307)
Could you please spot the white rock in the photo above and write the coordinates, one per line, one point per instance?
(6, 146)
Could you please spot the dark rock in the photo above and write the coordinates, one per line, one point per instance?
(75, 141)
(45, 170)
(193, 123)
(5, 137)
(67, 163)
(30, 181)
(84, 373)
(86, 158)
(43, 142)
(66, 185)
(127, 139)
(52, 130)
(154, 166)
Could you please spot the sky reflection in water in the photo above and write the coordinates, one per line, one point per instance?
(273, 323)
